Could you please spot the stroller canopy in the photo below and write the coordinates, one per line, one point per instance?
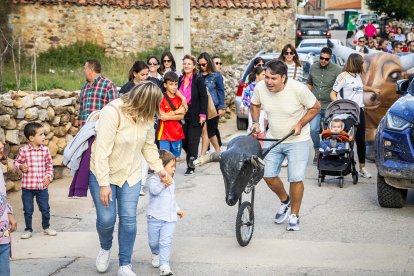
(340, 107)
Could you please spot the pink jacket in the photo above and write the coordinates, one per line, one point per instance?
(5, 209)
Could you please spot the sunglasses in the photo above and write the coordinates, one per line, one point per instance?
(325, 59)
(166, 60)
(219, 63)
(152, 63)
(260, 64)
(289, 54)
(361, 41)
(202, 64)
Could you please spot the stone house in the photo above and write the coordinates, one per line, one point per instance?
(237, 27)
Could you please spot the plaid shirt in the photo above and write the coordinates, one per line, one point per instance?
(95, 97)
(39, 163)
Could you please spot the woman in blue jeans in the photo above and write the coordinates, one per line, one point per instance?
(115, 169)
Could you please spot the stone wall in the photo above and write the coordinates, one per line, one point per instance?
(240, 32)
(56, 109)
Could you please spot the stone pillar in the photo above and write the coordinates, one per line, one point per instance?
(180, 43)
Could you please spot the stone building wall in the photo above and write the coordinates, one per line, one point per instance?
(240, 32)
(56, 109)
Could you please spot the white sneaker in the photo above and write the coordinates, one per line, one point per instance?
(155, 260)
(26, 235)
(126, 270)
(282, 213)
(102, 261)
(364, 173)
(285, 162)
(49, 232)
(165, 270)
(293, 224)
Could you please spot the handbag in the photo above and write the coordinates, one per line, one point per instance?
(211, 108)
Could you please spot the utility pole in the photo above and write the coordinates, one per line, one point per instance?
(180, 42)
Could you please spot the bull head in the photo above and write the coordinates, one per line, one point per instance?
(381, 70)
(241, 165)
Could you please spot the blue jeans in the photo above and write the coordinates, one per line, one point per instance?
(173, 147)
(5, 259)
(160, 234)
(42, 199)
(315, 129)
(126, 198)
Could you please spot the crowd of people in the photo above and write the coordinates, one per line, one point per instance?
(391, 40)
(159, 111)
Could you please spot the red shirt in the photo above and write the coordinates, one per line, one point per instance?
(170, 130)
(40, 166)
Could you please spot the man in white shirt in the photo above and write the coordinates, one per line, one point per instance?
(290, 106)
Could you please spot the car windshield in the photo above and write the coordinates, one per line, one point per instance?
(314, 24)
(313, 44)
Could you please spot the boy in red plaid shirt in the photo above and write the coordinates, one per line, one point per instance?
(35, 163)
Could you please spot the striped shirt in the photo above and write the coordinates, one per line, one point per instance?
(291, 71)
(116, 152)
(95, 97)
(39, 163)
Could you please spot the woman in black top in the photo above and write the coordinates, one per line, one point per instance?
(194, 90)
(139, 72)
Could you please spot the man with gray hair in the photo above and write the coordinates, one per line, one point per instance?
(290, 106)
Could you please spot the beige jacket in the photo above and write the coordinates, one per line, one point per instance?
(115, 156)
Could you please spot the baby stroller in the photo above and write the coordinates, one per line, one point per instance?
(335, 164)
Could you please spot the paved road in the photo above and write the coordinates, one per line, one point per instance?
(343, 232)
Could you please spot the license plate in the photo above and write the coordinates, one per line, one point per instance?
(313, 32)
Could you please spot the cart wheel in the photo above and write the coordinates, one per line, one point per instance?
(355, 177)
(245, 223)
(341, 182)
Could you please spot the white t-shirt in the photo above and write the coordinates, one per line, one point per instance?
(353, 87)
(285, 108)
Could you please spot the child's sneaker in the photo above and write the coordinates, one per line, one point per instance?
(49, 232)
(155, 260)
(126, 270)
(293, 224)
(165, 270)
(26, 235)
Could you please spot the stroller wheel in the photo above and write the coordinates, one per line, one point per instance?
(321, 178)
(341, 182)
(355, 177)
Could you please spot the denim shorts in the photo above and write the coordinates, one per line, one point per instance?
(297, 155)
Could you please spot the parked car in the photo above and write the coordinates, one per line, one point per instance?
(334, 24)
(394, 145)
(311, 27)
(311, 54)
(242, 117)
(317, 42)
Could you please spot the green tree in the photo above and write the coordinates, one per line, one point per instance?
(399, 9)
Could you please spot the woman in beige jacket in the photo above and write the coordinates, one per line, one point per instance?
(125, 129)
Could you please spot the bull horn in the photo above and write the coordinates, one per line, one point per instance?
(407, 61)
(210, 157)
(341, 51)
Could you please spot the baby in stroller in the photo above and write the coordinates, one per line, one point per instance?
(334, 138)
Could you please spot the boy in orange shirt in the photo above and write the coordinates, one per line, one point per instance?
(170, 131)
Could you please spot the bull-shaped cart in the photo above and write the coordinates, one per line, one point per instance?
(242, 167)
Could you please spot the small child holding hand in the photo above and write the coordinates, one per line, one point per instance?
(162, 214)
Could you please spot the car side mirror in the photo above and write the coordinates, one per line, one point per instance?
(402, 86)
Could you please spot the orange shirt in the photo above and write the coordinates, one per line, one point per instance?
(170, 130)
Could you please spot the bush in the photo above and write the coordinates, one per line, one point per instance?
(73, 55)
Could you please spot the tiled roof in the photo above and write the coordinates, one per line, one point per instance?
(349, 5)
(155, 4)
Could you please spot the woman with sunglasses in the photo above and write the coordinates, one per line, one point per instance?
(349, 85)
(215, 86)
(194, 90)
(168, 64)
(291, 58)
(258, 62)
(154, 67)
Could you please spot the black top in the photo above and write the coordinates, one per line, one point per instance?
(129, 85)
(199, 100)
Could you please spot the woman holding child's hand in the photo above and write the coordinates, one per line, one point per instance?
(115, 176)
